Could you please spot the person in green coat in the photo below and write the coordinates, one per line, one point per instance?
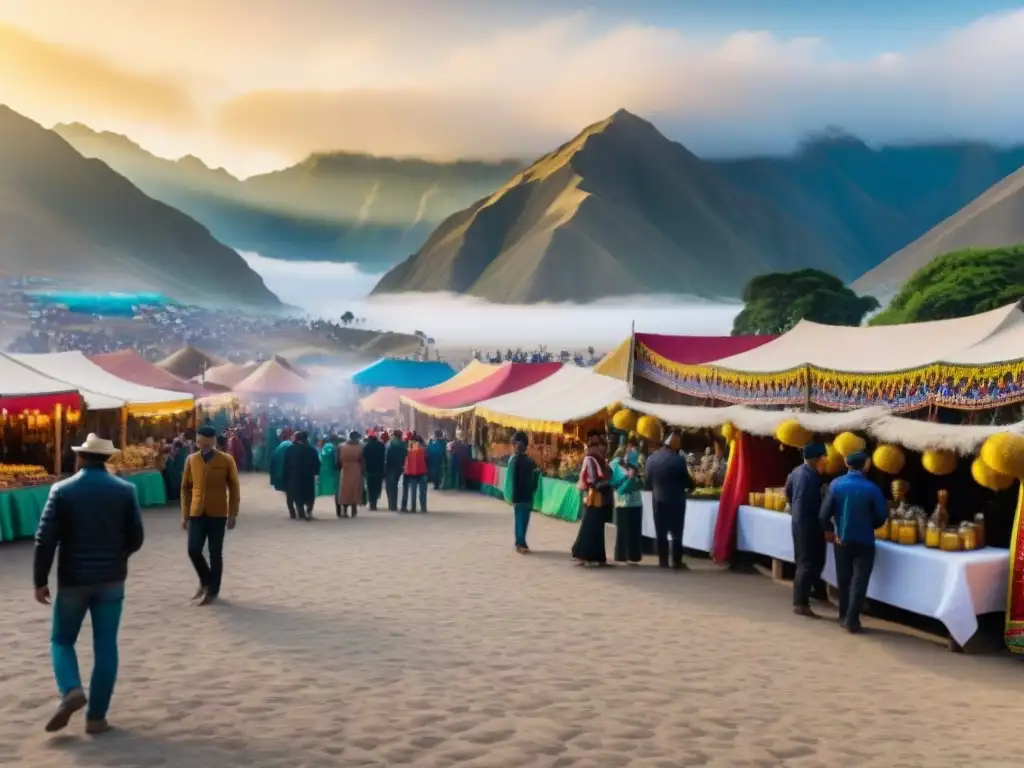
(174, 469)
(329, 476)
(277, 465)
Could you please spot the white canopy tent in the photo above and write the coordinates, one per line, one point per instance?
(18, 381)
(569, 395)
(885, 348)
(101, 389)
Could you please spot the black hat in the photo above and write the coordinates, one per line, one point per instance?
(520, 437)
(206, 431)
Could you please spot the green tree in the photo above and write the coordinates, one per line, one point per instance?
(958, 284)
(347, 318)
(775, 302)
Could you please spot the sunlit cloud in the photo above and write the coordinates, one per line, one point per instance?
(476, 87)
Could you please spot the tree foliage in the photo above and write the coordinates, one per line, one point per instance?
(775, 302)
(958, 284)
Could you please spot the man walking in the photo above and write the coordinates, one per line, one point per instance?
(803, 492)
(523, 480)
(667, 477)
(373, 465)
(93, 519)
(210, 498)
(394, 466)
(301, 467)
(853, 508)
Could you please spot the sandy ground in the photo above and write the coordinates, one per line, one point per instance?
(400, 640)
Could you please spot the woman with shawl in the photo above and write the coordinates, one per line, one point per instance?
(595, 485)
(327, 484)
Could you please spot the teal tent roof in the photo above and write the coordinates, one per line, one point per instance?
(404, 374)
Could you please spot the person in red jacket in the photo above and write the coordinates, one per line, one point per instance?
(414, 481)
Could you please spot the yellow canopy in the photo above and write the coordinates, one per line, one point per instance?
(615, 363)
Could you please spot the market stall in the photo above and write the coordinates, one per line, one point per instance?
(401, 373)
(189, 362)
(272, 382)
(129, 365)
(227, 375)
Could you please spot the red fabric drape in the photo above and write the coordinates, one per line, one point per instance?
(481, 472)
(756, 464)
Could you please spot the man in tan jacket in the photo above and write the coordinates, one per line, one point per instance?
(209, 505)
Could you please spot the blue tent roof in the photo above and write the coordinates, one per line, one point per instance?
(405, 374)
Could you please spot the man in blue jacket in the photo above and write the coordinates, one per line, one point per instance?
(668, 479)
(93, 519)
(853, 508)
(803, 492)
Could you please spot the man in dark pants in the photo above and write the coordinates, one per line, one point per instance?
(301, 467)
(853, 508)
(668, 479)
(209, 505)
(803, 492)
(373, 466)
(394, 467)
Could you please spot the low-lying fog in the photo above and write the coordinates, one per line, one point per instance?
(329, 290)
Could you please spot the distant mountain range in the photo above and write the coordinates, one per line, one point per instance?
(994, 218)
(621, 210)
(618, 210)
(341, 207)
(75, 220)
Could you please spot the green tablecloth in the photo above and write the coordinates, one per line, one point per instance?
(554, 497)
(20, 510)
(150, 487)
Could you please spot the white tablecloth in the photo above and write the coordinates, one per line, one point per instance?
(953, 587)
(699, 530)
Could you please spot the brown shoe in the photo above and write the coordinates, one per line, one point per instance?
(804, 610)
(69, 704)
(97, 727)
(200, 593)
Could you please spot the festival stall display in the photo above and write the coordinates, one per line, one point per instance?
(129, 365)
(404, 374)
(273, 382)
(967, 363)
(189, 362)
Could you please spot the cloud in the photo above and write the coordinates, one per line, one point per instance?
(327, 290)
(522, 90)
(51, 82)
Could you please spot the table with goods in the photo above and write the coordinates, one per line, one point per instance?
(922, 564)
(25, 488)
(559, 462)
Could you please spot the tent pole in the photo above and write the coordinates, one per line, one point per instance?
(124, 427)
(632, 352)
(58, 430)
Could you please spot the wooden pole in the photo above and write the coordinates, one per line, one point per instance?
(629, 362)
(58, 429)
(124, 428)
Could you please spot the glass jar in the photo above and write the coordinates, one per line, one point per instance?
(979, 527)
(950, 540)
(882, 532)
(968, 537)
(932, 536)
(908, 532)
(894, 529)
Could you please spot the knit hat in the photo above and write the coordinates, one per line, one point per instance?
(814, 451)
(857, 460)
(206, 431)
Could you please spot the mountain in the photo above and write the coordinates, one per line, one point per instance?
(76, 220)
(371, 211)
(867, 203)
(995, 218)
(619, 210)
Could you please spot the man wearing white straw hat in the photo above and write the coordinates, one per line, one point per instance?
(92, 523)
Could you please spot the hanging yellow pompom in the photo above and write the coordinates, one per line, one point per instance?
(835, 462)
(728, 432)
(649, 428)
(987, 477)
(624, 420)
(614, 408)
(939, 462)
(888, 459)
(848, 443)
(1004, 452)
(793, 434)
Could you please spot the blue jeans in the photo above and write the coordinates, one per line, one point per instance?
(103, 602)
(413, 486)
(200, 531)
(522, 515)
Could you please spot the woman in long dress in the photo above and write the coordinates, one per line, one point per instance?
(327, 484)
(595, 485)
(350, 461)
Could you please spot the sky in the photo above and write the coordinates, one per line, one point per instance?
(254, 85)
